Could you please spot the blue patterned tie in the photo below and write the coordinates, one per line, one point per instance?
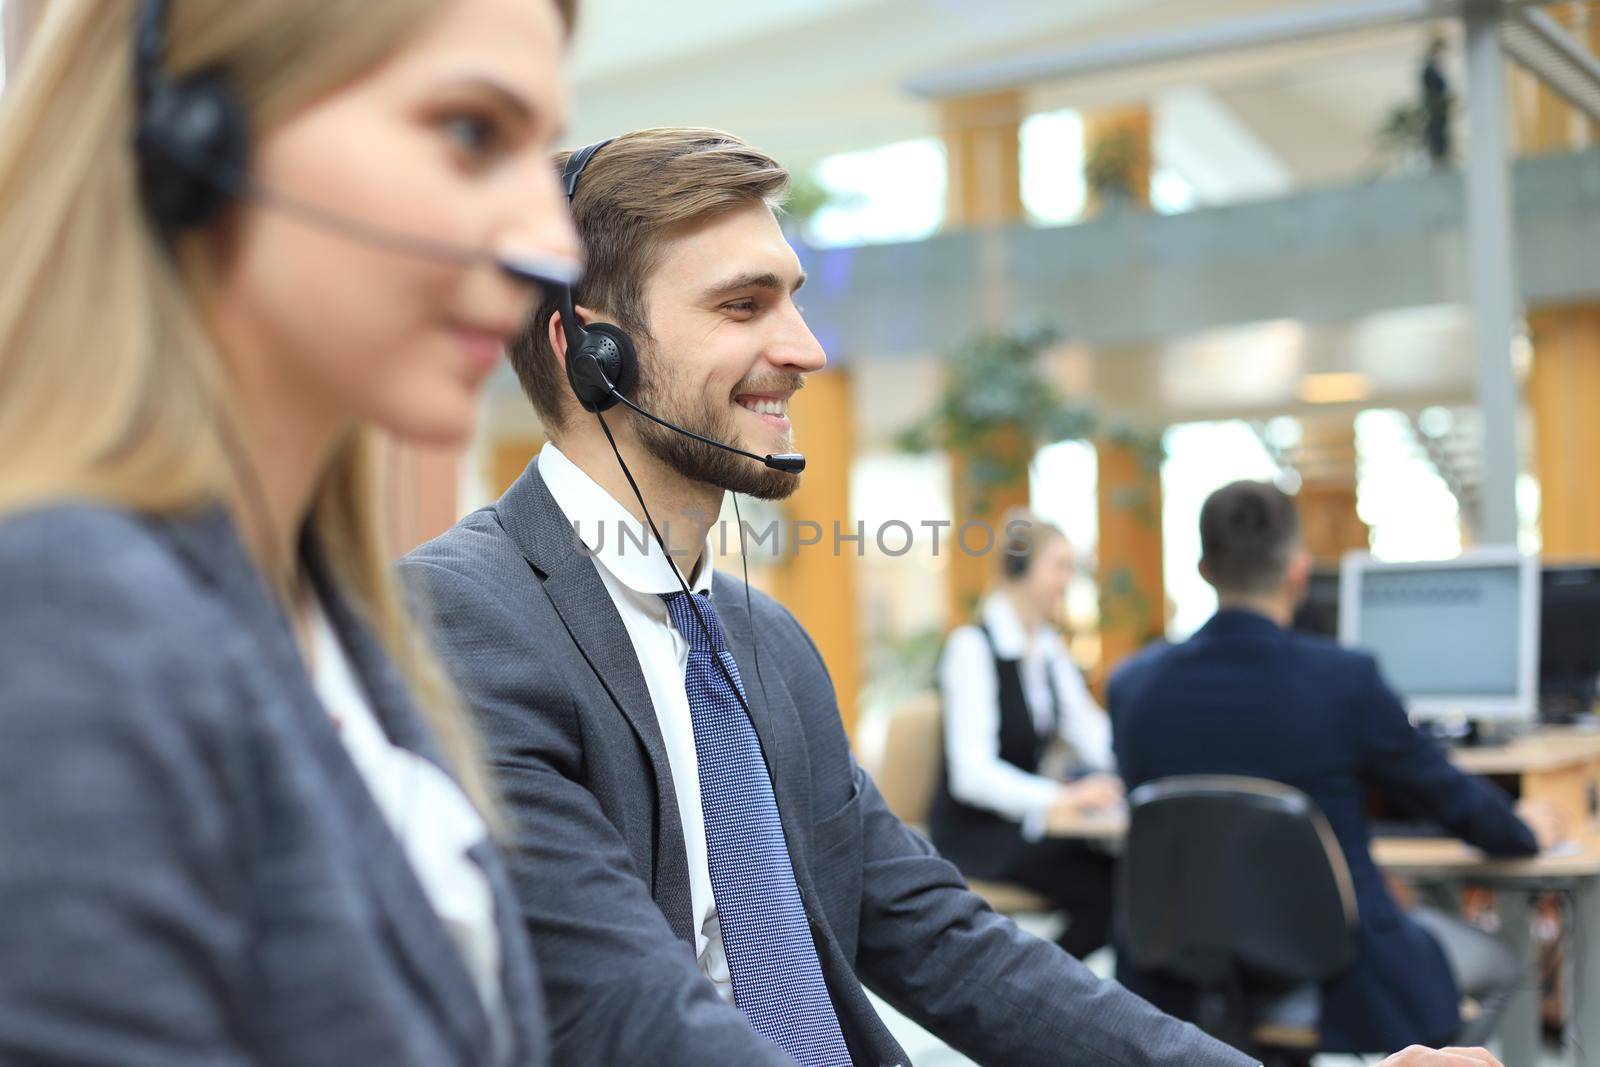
(777, 978)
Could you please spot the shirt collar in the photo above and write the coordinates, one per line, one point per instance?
(1010, 639)
(611, 534)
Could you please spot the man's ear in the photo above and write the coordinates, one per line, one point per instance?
(556, 334)
(1298, 577)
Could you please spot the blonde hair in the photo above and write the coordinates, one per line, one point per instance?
(110, 387)
(635, 192)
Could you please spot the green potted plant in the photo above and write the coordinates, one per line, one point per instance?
(1112, 168)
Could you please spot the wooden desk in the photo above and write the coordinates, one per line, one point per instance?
(1559, 765)
(1435, 857)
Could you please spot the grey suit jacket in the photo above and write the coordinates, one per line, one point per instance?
(599, 861)
(192, 871)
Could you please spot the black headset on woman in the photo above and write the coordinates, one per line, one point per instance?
(192, 142)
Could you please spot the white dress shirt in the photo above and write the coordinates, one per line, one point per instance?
(970, 688)
(431, 818)
(637, 578)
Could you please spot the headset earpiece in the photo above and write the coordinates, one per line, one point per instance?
(600, 357)
(191, 132)
(1015, 564)
(604, 360)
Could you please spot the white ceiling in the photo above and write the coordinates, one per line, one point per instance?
(804, 79)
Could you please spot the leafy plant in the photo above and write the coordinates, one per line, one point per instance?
(1113, 164)
(997, 392)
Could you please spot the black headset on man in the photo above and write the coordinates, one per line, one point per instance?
(602, 363)
(602, 368)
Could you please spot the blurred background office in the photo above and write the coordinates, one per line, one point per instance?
(1099, 258)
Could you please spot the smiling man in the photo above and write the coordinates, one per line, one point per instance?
(708, 876)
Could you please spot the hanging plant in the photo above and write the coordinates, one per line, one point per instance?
(996, 387)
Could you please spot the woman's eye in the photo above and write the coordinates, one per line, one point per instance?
(473, 135)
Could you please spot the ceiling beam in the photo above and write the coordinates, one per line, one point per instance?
(1540, 45)
(1187, 42)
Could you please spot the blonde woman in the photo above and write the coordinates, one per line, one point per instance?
(235, 824)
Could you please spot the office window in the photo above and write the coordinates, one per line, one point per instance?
(1202, 457)
(900, 580)
(1171, 193)
(1063, 490)
(1399, 494)
(882, 195)
(1053, 189)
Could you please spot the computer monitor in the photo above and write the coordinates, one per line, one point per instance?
(1456, 639)
(1569, 640)
(1318, 613)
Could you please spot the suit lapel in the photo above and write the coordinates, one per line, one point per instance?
(543, 533)
(428, 956)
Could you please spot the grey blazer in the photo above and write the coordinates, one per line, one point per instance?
(600, 865)
(192, 872)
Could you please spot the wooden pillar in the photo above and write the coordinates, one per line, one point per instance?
(1545, 122)
(817, 581)
(508, 458)
(1329, 523)
(983, 158)
(980, 509)
(1564, 382)
(1131, 124)
(984, 162)
(421, 492)
(1131, 574)
(1562, 391)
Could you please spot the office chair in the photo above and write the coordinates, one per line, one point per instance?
(1236, 886)
(907, 775)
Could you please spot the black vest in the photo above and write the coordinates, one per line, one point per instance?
(980, 842)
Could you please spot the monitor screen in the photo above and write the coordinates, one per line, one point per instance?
(1318, 613)
(1569, 639)
(1458, 637)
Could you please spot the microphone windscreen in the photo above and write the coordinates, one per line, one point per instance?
(546, 271)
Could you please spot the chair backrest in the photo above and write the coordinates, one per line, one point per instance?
(911, 754)
(1229, 879)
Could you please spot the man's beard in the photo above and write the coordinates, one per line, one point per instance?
(709, 417)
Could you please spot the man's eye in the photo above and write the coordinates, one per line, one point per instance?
(742, 307)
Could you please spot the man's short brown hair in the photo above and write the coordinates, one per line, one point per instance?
(635, 192)
(1248, 535)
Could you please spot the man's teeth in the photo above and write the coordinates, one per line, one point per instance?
(763, 406)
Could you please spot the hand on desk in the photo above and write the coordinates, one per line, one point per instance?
(1417, 1056)
(1086, 795)
(1548, 827)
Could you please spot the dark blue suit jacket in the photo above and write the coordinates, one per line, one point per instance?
(1244, 696)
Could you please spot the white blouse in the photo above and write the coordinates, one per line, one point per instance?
(430, 816)
(971, 693)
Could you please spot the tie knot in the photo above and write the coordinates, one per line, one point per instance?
(683, 617)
